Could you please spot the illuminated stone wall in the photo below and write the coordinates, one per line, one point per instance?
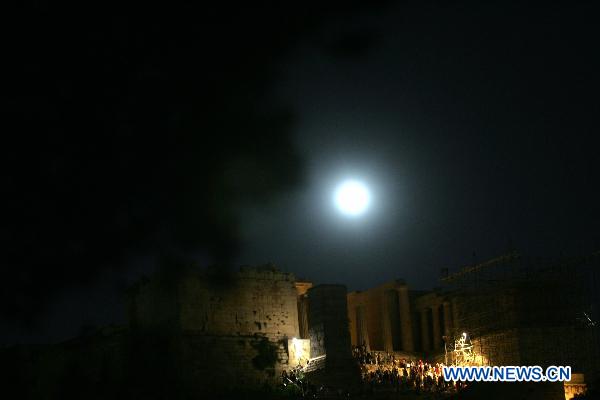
(576, 387)
(190, 334)
(298, 352)
(260, 301)
(229, 331)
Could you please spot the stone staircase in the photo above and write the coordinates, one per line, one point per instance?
(315, 364)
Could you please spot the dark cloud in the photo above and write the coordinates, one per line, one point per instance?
(473, 123)
(135, 130)
(137, 134)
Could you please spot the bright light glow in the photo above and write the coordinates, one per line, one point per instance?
(297, 348)
(352, 198)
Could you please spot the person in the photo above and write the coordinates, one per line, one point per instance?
(284, 377)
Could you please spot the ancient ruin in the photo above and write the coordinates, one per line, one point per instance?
(202, 330)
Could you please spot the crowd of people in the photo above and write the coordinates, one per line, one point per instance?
(381, 373)
(384, 372)
(295, 382)
(293, 377)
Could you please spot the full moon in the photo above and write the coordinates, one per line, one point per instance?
(352, 198)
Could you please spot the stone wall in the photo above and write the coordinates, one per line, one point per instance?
(498, 348)
(190, 334)
(92, 366)
(228, 331)
(563, 345)
(330, 335)
(260, 301)
(213, 363)
(298, 352)
(328, 322)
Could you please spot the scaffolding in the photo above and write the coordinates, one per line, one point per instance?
(522, 311)
(460, 351)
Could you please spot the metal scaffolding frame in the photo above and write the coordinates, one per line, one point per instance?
(519, 310)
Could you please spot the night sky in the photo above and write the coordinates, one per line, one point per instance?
(217, 136)
(477, 125)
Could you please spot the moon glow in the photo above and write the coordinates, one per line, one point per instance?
(352, 198)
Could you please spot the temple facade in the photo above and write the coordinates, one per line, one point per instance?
(393, 318)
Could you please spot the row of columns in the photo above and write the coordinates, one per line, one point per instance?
(362, 336)
(393, 326)
(402, 314)
(436, 337)
(395, 319)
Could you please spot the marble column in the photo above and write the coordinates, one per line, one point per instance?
(425, 344)
(386, 323)
(405, 320)
(447, 318)
(362, 335)
(303, 317)
(455, 315)
(437, 334)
